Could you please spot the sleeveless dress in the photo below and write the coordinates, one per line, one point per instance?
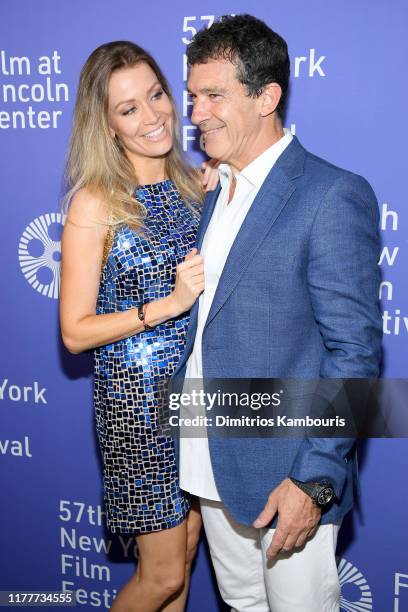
(141, 487)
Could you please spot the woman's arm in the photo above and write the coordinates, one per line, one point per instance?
(82, 252)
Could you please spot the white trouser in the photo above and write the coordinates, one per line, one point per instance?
(303, 581)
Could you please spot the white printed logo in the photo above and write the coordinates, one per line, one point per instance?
(39, 253)
(350, 575)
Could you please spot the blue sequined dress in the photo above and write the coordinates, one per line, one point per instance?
(141, 487)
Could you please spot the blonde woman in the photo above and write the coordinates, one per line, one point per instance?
(129, 277)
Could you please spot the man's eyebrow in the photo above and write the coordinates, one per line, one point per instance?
(208, 90)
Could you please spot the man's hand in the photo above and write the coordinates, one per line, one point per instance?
(297, 521)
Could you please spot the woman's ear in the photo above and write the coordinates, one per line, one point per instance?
(270, 97)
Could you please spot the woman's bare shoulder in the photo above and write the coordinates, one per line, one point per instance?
(88, 209)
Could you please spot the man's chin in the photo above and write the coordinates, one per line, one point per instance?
(214, 151)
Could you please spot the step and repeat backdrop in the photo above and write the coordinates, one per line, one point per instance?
(347, 104)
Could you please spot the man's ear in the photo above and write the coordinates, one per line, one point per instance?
(270, 96)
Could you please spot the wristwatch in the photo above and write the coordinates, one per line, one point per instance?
(321, 493)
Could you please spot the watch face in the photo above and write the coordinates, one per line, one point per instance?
(325, 496)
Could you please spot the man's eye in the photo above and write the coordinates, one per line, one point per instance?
(130, 111)
(213, 96)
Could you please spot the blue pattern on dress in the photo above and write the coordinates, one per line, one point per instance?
(141, 487)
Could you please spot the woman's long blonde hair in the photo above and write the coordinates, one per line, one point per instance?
(97, 161)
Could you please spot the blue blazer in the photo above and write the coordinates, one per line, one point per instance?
(298, 298)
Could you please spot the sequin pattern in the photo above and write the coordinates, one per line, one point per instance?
(141, 486)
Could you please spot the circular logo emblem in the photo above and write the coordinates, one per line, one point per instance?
(39, 253)
(355, 587)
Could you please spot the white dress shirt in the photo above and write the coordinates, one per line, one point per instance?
(196, 474)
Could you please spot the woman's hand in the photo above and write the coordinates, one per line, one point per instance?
(189, 282)
(209, 174)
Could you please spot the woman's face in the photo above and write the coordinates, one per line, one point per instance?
(140, 113)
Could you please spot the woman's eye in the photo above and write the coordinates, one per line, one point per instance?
(129, 111)
(158, 95)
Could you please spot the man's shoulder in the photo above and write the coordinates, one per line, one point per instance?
(324, 173)
(325, 169)
(324, 181)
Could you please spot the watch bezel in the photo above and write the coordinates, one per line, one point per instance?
(325, 495)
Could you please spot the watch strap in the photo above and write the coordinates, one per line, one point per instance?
(321, 493)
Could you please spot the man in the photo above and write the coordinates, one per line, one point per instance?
(290, 245)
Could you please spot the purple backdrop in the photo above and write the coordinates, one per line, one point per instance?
(347, 104)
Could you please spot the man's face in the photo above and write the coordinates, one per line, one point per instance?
(229, 119)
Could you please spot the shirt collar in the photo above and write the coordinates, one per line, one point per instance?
(225, 173)
(256, 172)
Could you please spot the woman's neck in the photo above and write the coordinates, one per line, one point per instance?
(150, 170)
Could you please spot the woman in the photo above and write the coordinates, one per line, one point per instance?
(129, 277)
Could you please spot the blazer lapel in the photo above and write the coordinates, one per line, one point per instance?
(191, 333)
(208, 209)
(270, 200)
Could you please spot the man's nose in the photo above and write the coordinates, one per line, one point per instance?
(199, 113)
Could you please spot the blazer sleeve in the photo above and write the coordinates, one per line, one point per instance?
(343, 280)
